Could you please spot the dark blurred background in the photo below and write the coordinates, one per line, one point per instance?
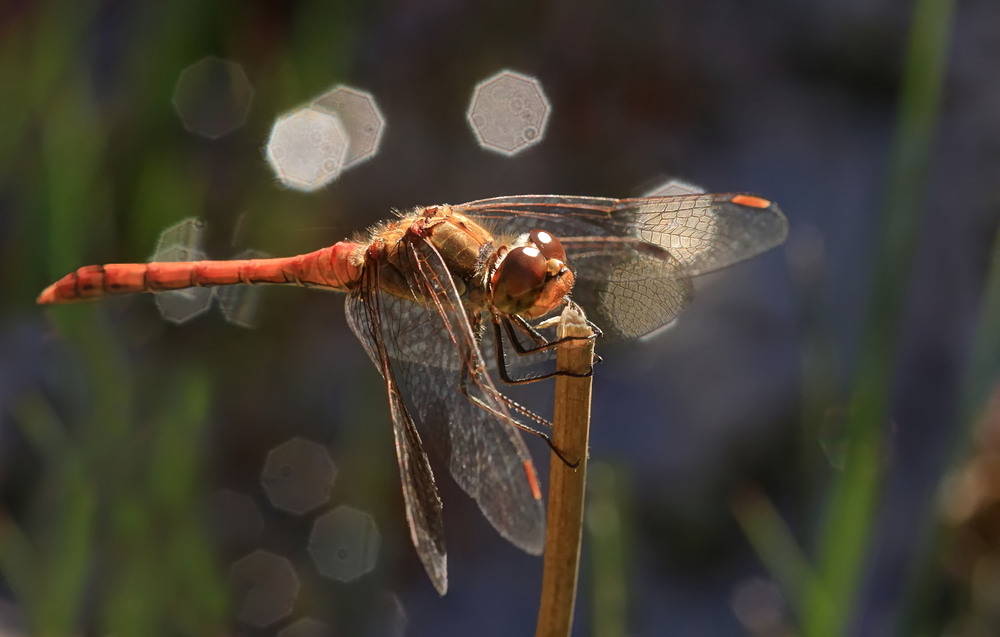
(773, 464)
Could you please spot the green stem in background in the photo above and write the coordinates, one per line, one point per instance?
(774, 543)
(848, 519)
(570, 434)
(608, 538)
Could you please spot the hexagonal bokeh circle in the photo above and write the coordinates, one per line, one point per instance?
(298, 475)
(267, 586)
(508, 112)
(307, 148)
(182, 242)
(360, 117)
(212, 97)
(344, 543)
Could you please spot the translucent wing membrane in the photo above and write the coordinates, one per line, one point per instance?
(420, 494)
(429, 354)
(633, 257)
(629, 293)
(705, 231)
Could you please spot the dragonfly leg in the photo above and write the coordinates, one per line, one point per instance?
(512, 336)
(463, 384)
(542, 343)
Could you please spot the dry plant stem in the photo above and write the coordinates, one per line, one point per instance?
(570, 434)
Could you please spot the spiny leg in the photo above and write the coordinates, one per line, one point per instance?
(465, 376)
(545, 345)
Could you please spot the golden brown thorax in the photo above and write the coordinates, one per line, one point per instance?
(457, 238)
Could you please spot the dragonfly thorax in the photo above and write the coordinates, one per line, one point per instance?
(457, 238)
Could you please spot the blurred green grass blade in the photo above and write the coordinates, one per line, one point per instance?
(14, 48)
(606, 533)
(41, 426)
(202, 602)
(846, 531)
(17, 559)
(168, 190)
(68, 557)
(111, 382)
(194, 595)
(48, 109)
(178, 449)
(170, 572)
(75, 186)
(776, 546)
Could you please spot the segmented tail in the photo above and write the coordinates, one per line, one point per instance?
(337, 267)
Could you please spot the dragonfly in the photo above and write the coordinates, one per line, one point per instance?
(424, 290)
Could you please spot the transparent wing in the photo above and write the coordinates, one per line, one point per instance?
(420, 494)
(434, 357)
(630, 293)
(633, 257)
(704, 232)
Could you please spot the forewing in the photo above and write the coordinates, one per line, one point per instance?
(633, 258)
(366, 316)
(435, 358)
(705, 232)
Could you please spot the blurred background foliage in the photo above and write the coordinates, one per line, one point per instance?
(807, 451)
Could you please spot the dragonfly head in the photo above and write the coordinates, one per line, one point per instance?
(531, 279)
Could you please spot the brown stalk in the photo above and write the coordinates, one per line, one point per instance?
(570, 435)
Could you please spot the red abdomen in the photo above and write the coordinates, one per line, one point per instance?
(337, 267)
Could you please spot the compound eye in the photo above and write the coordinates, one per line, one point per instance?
(521, 272)
(548, 245)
